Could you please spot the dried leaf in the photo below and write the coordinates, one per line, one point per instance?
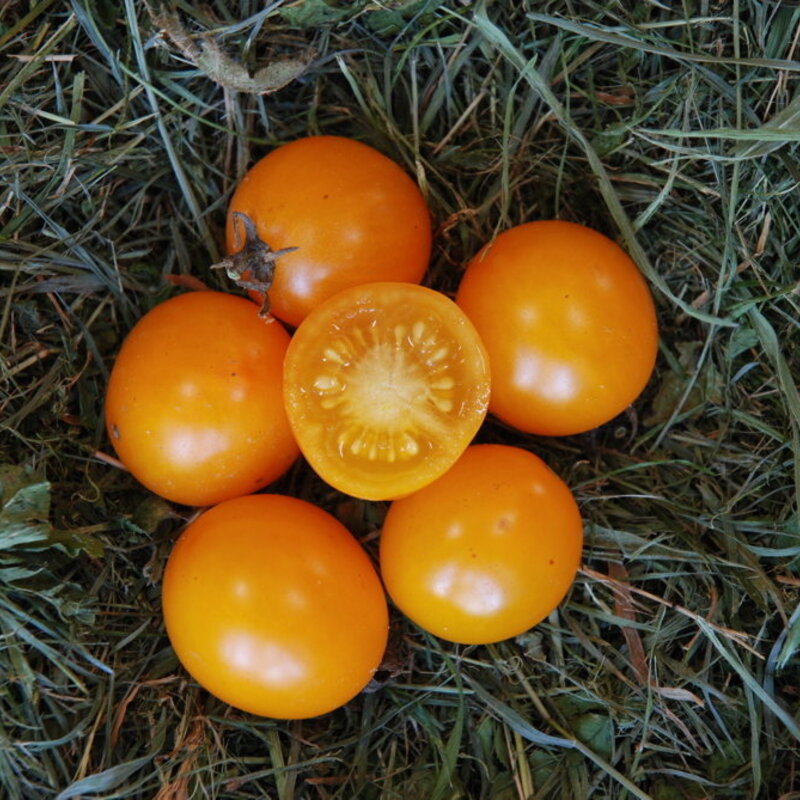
(675, 693)
(208, 57)
(25, 508)
(190, 282)
(624, 607)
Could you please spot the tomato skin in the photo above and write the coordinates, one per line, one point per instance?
(385, 385)
(354, 215)
(568, 322)
(486, 551)
(273, 607)
(194, 404)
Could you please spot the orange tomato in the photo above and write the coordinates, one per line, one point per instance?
(486, 551)
(194, 406)
(354, 215)
(385, 385)
(568, 322)
(273, 607)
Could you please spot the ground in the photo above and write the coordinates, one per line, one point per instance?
(671, 669)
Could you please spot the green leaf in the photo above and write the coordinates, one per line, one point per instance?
(741, 340)
(706, 388)
(450, 755)
(11, 574)
(316, 13)
(104, 781)
(726, 761)
(517, 722)
(610, 139)
(773, 348)
(388, 21)
(774, 133)
(543, 763)
(666, 790)
(419, 783)
(25, 509)
(791, 643)
(74, 542)
(24, 516)
(595, 731)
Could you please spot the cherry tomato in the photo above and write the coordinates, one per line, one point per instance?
(273, 607)
(385, 385)
(354, 215)
(194, 406)
(568, 322)
(486, 551)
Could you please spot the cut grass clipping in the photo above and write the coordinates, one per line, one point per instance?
(670, 672)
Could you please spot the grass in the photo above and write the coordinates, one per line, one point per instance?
(671, 671)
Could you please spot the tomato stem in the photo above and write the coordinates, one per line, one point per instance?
(253, 266)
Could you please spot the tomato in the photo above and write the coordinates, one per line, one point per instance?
(194, 406)
(486, 551)
(568, 322)
(385, 385)
(354, 215)
(273, 607)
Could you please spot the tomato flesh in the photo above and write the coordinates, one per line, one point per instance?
(385, 385)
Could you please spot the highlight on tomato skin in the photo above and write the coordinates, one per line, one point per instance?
(272, 605)
(487, 550)
(569, 324)
(385, 385)
(194, 403)
(354, 215)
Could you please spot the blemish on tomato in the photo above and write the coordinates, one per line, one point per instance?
(503, 524)
(115, 432)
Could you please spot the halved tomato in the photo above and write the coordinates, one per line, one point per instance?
(385, 385)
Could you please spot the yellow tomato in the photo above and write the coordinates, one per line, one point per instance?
(273, 607)
(486, 551)
(194, 405)
(352, 213)
(568, 323)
